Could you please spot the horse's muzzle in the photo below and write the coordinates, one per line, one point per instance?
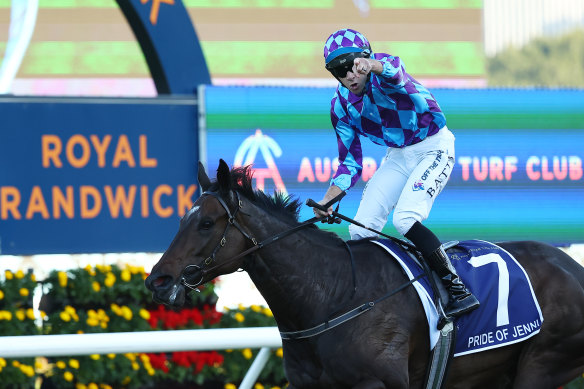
(165, 291)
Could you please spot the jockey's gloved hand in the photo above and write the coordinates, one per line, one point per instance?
(332, 219)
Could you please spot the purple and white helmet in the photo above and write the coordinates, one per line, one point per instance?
(345, 41)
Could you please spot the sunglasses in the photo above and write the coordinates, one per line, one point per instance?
(342, 70)
(344, 63)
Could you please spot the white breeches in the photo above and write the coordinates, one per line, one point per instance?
(409, 180)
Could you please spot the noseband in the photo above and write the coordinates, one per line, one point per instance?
(203, 267)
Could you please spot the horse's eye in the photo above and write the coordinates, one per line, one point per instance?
(205, 225)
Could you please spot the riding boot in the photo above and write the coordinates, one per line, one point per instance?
(461, 300)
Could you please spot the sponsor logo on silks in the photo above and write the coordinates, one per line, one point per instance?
(418, 186)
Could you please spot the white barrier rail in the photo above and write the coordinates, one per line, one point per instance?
(148, 342)
(135, 342)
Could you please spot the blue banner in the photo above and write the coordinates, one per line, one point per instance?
(169, 43)
(518, 172)
(95, 175)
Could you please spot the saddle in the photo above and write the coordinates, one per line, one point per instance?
(509, 310)
(441, 295)
(512, 317)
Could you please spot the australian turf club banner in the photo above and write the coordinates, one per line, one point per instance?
(507, 182)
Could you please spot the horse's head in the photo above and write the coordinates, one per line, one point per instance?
(207, 242)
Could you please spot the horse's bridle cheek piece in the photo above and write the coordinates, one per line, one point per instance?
(202, 267)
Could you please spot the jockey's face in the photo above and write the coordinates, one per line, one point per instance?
(344, 68)
(355, 81)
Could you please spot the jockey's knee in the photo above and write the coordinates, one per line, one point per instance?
(357, 232)
(403, 223)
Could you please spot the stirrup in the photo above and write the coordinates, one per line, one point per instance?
(471, 305)
(443, 321)
(442, 318)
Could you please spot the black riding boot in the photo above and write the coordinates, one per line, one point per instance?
(461, 300)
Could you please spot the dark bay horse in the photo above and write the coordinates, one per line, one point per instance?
(307, 275)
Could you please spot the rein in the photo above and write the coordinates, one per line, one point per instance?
(204, 268)
(329, 324)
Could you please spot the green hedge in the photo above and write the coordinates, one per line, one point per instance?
(105, 299)
(112, 299)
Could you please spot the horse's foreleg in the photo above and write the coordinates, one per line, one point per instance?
(370, 384)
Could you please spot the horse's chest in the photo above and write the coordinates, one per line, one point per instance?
(327, 365)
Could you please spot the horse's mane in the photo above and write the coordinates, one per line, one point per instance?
(279, 204)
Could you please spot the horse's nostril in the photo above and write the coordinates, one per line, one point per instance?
(160, 282)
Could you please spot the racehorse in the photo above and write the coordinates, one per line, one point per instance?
(307, 274)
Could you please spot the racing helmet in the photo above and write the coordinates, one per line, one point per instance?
(342, 47)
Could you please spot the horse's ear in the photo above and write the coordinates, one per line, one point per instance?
(204, 180)
(224, 177)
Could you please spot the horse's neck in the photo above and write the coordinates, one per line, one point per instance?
(300, 276)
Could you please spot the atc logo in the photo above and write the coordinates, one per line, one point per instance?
(418, 186)
(269, 148)
(156, 8)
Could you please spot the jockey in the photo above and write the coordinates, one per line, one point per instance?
(377, 99)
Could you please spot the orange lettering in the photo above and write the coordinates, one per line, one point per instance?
(158, 192)
(9, 202)
(86, 191)
(51, 149)
(155, 8)
(66, 203)
(124, 153)
(37, 204)
(101, 148)
(144, 160)
(120, 200)
(185, 198)
(145, 210)
(86, 151)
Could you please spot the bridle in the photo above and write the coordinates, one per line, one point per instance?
(203, 267)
